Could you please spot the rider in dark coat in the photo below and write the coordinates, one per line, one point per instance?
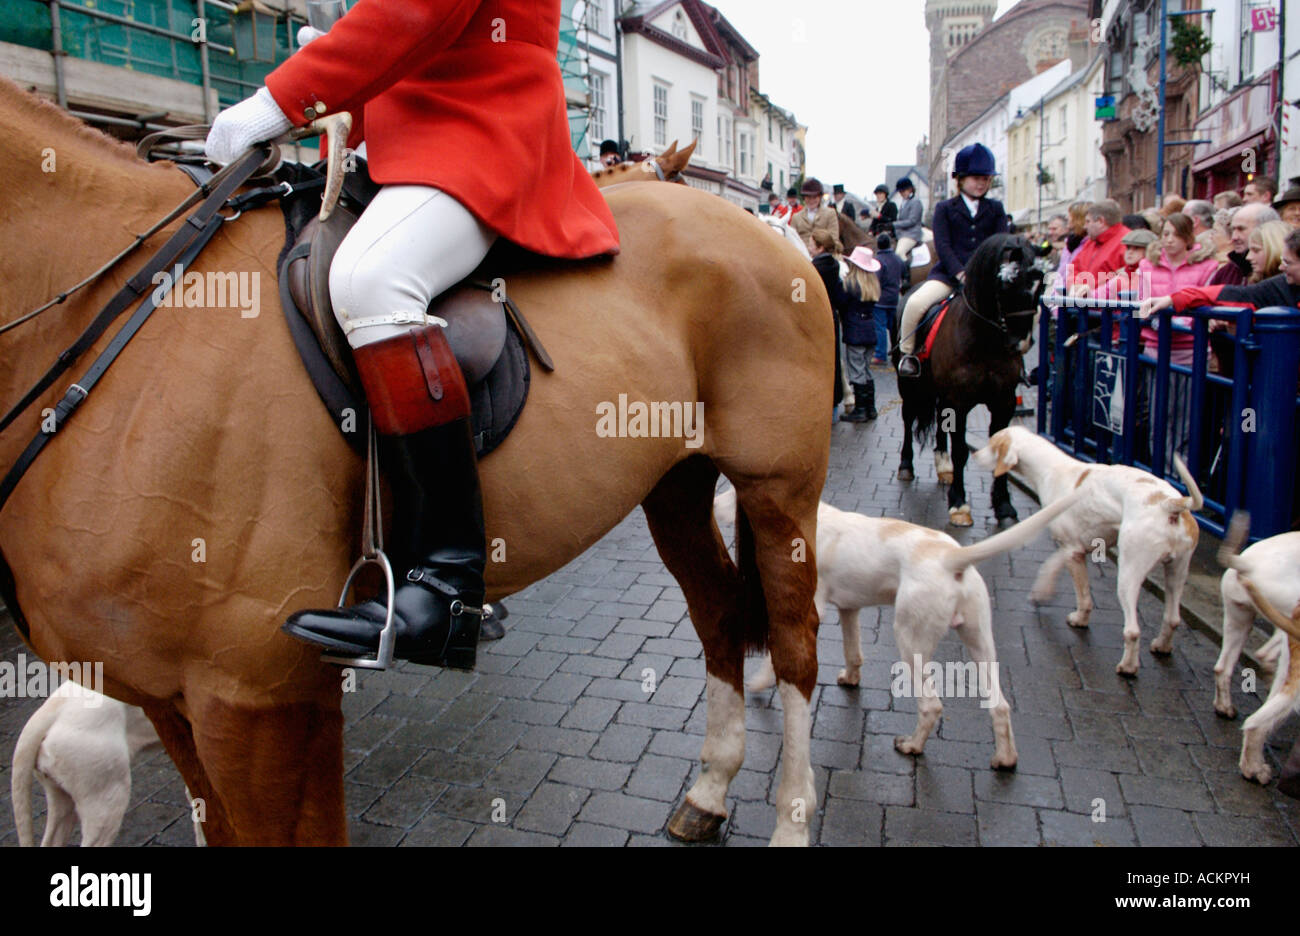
(961, 224)
(883, 222)
(828, 268)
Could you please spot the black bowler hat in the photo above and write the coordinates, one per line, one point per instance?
(608, 146)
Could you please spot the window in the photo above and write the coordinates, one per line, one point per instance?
(697, 118)
(661, 115)
(1065, 113)
(596, 17)
(597, 81)
(726, 139)
(1247, 51)
(744, 154)
(781, 191)
(1060, 176)
(719, 136)
(679, 25)
(769, 128)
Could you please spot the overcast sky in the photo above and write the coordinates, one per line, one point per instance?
(856, 73)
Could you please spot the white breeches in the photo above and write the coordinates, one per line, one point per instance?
(922, 297)
(410, 244)
(905, 245)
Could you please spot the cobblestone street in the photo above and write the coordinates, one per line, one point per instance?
(556, 736)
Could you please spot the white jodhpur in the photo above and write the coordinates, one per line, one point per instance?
(411, 243)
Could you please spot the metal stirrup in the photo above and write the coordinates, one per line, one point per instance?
(372, 553)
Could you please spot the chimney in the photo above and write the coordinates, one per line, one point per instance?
(1080, 43)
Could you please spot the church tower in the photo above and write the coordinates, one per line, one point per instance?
(952, 24)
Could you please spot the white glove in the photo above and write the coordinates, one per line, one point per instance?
(250, 121)
(308, 34)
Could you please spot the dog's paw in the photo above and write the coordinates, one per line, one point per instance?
(847, 678)
(904, 745)
(1225, 709)
(1078, 619)
(1260, 772)
(1004, 761)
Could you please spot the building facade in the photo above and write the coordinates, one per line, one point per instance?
(987, 63)
(1059, 128)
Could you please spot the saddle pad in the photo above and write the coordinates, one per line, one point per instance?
(488, 343)
(929, 326)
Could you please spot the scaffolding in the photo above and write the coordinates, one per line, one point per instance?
(574, 58)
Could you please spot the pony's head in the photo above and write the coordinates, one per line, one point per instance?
(1004, 280)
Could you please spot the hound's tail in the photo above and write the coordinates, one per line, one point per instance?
(24, 765)
(1238, 529)
(1017, 536)
(1193, 501)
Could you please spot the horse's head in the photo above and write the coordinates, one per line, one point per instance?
(666, 167)
(1004, 280)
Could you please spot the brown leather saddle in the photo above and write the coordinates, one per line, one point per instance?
(486, 331)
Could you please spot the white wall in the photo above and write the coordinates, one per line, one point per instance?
(644, 63)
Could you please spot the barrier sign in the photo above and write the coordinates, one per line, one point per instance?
(1108, 392)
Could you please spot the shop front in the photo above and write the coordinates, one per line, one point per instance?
(1241, 139)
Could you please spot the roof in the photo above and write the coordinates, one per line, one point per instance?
(715, 57)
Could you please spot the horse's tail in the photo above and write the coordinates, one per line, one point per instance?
(26, 751)
(753, 603)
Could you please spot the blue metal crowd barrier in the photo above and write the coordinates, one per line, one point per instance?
(1236, 429)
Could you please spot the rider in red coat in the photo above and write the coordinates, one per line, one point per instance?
(462, 108)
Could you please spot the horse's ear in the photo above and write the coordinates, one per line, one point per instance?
(672, 148)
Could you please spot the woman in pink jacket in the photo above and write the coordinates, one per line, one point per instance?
(1171, 272)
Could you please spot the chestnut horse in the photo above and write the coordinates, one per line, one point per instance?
(205, 494)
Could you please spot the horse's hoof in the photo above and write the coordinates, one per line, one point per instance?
(945, 477)
(905, 473)
(1006, 523)
(960, 516)
(691, 824)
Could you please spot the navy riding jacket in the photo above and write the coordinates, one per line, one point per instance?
(957, 234)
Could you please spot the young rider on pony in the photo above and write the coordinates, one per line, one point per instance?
(465, 129)
(961, 224)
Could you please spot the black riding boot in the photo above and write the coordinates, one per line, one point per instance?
(437, 543)
(863, 396)
(867, 395)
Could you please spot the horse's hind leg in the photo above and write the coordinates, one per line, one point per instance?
(784, 530)
(942, 460)
(906, 471)
(680, 514)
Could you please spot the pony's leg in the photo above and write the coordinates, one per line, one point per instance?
(679, 511)
(906, 471)
(1000, 418)
(1237, 620)
(959, 512)
(942, 460)
(269, 774)
(784, 528)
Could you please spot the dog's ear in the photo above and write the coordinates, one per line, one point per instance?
(1006, 458)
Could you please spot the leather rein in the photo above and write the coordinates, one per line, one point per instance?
(179, 251)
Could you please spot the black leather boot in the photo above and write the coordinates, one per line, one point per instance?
(420, 408)
(868, 398)
(437, 552)
(859, 412)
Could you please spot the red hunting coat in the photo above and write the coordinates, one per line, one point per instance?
(465, 96)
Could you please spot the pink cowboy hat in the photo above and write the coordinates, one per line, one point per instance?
(864, 258)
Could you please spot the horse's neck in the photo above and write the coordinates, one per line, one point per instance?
(69, 203)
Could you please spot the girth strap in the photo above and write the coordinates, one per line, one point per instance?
(142, 282)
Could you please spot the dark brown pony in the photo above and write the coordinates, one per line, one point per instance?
(202, 493)
(975, 359)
